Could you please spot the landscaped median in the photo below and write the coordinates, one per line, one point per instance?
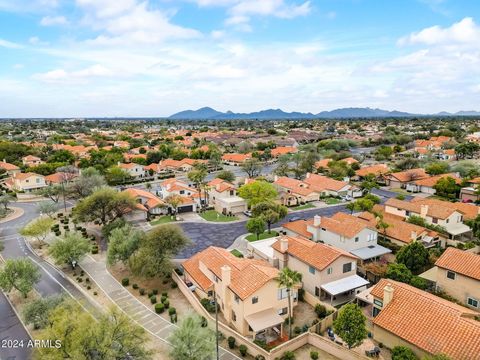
(212, 215)
(263, 236)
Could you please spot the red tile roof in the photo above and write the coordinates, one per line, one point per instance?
(459, 261)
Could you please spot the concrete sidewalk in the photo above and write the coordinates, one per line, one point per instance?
(143, 315)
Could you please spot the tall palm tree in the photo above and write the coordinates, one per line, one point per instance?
(289, 279)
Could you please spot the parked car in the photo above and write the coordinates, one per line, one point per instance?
(247, 213)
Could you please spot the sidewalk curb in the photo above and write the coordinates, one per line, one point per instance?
(17, 212)
(18, 316)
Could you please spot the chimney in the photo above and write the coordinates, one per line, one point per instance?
(413, 235)
(283, 244)
(308, 175)
(226, 275)
(118, 163)
(275, 178)
(387, 294)
(317, 220)
(423, 211)
(217, 187)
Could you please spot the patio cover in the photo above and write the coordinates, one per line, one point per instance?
(343, 285)
(264, 319)
(458, 229)
(369, 252)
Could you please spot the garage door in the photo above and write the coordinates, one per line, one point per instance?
(184, 209)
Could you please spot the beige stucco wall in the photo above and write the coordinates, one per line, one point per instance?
(460, 288)
(30, 183)
(341, 242)
(390, 341)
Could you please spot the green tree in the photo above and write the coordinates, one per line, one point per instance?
(5, 200)
(47, 207)
(414, 256)
(117, 223)
(52, 192)
(257, 192)
(403, 353)
(447, 187)
(351, 206)
(369, 183)
(104, 205)
(116, 175)
(364, 204)
(62, 156)
(256, 226)
(112, 336)
(226, 175)
(271, 212)
(290, 280)
(350, 325)
(38, 229)
(466, 150)
(197, 175)
(252, 167)
(38, 311)
(122, 243)
(19, 274)
(69, 249)
(399, 272)
(383, 153)
(174, 201)
(437, 168)
(156, 250)
(89, 181)
(191, 341)
(283, 166)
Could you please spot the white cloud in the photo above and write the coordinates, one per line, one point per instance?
(276, 8)
(130, 22)
(53, 20)
(462, 32)
(61, 75)
(9, 44)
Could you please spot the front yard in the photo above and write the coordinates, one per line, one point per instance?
(162, 220)
(263, 236)
(303, 207)
(331, 201)
(212, 215)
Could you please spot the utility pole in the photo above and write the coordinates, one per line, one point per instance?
(216, 323)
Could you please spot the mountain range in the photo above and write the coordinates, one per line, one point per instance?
(207, 113)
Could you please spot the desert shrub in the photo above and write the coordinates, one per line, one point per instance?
(125, 281)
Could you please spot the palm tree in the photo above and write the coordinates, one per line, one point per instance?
(198, 175)
(289, 279)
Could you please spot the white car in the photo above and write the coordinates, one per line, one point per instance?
(247, 213)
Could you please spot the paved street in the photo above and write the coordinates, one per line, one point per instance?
(143, 315)
(11, 329)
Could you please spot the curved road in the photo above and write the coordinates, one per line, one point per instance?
(52, 281)
(205, 234)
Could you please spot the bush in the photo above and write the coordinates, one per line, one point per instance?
(135, 286)
(313, 355)
(173, 318)
(153, 299)
(164, 293)
(80, 280)
(125, 281)
(203, 321)
(150, 294)
(89, 287)
(155, 291)
(288, 355)
(403, 353)
(95, 293)
(179, 271)
(159, 308)
(142, 291)
(208, 305)
(321, 311)
(95, 250)
(231, 342)
(172, 311)
(297, 330)
(259, 357)
(163, 298)
(243, 350)
(174, 285)
(166, 303)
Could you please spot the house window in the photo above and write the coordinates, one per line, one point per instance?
(237, 299)
(215, 278)
(311, 270)
(356, 239)
(472, 302)
(435, 220)
(378, 302)
(282, 294)
(255, 300)
(210, 293)
(329, 271)
(232, 192)
(182, 192)
(283, 311)
(451, 275)
(347, 267)
(447, 221)
(407, 213)
(317, 291)
(234, 316)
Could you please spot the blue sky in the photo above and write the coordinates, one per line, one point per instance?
(80, 58)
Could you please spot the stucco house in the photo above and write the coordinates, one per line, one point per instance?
(457, 272)
(403, 315)
(134, 170)
(223, 196)
(10, 169)
(26, 182)
(245, 289)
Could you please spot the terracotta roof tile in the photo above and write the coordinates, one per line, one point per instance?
(376, 170)
(461, 262)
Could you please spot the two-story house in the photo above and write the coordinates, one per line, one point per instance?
(223, 196)
(147, 204)
(429, 325)
(343, 231)
(328, 273)
(444, 215)
(31, 161)
(134, 170)
(10, 169)
(190, 196)
(426, 185)
(457, 273)
(246, 291)
(26, 182)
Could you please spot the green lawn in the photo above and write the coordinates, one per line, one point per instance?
(331, 201)
(212, 215)
(303, 207)
(265, 235)
(236, 253)
(162, 220)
